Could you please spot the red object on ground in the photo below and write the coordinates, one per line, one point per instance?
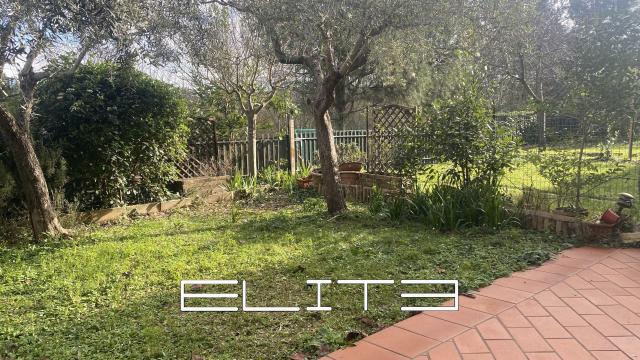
(609, 217)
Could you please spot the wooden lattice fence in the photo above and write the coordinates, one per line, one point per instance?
(388, 127)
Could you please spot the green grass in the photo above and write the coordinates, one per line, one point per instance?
(113, 293)
(596, 200)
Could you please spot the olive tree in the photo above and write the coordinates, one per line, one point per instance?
(330, 40)
(224, 53)
(30, 32)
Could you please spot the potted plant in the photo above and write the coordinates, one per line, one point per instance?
(350, 157)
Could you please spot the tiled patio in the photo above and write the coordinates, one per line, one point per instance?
(583, 305)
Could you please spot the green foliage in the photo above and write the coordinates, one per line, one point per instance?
(350, 152)
(216, 104)
(278, 179)
(445, 207)
(119, 130)
(112, 293)
(571, 176)
(461, 132)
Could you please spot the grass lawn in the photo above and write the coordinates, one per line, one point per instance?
(596, 200)
(113, 292)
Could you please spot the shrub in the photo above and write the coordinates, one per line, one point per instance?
(120, 132)
(350, 152)
(571, 176)
(460, 132)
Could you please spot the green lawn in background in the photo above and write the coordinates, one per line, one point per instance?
(596, 200)
(113, 293)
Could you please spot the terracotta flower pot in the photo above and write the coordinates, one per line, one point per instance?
(351, 166)
(610, 217)
(316, 178)
(305, 183)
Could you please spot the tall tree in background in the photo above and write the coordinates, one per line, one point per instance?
(607, 46)
(525, 41)
(225, 53)
(330, 40)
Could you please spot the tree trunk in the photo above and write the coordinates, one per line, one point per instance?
(32, 182)
(327, 149)
(253, 144)
(632, 123)
(340, 104)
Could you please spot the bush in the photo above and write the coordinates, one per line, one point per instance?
(120, 132)
(461, 132)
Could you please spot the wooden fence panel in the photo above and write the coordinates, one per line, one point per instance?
(271, 150)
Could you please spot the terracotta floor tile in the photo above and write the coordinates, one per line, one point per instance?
(566, 316)
(564, 291)
(588, 253)
(578, 283)
(542, 276)
(444, 351)
(622, 257)
(543, 356)
(492, 329)
(558, 269)
(590, 275)
(631, 273)
(573, 262)
(470, 342)
(485, 304)
(610, 355)
(401, 341)
(570, 349)
(630, 345)
(504, 293)
(621, 314)
(505, 350)
(531, 307)
(610, 288)
(464, 316)
(635, 329)
(477, 357)
(431, 327)
(547, 298)
(603, 269)
(549, 327)
(630, 302)
(606, 325)
(514, 318)
(597, 297)
(518, 283)
(635, 253)
(365, 351)
(529, 340)
(622, 281)
(590, 338)
(583, 306)
(613, 263)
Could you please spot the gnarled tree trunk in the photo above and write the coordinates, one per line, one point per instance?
(32, 182)
(326, 147)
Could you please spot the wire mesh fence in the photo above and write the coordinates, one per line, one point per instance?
(575, 163)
